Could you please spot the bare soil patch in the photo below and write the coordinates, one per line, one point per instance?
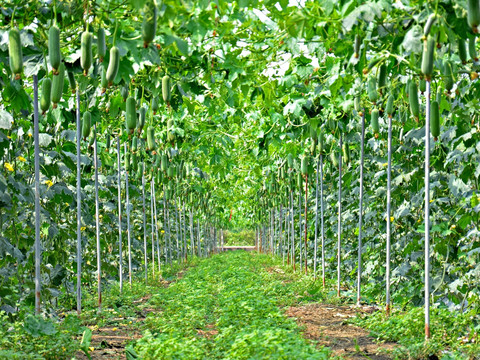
(280, 274)
(209, 333)
(109, 342)
(326, 325)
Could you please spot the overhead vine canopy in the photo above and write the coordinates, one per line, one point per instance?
(238, 99)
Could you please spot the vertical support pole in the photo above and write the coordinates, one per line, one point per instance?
(427, 213)
(199, 230)
(306, 221)
(165, 226)
(79, 206)
(152, 228)
(389, 201)
(215, 245)
(292, 217)
(145, 258)
(276, 235)
(339, 253)
(192, 236)
(156, 230)
(315, 245)
(119, 185)
(322, 225)
(300, 250)
(177, 226)
(281, 234)
(97, 220)
(260, 244)
(38, 249)
(260, 236)
(286, 231)
(286, 239)
(264, 233)
(128, 226)
(360, 210)
(184, 233)
(272, 228)
(167, 231)
(221, 239)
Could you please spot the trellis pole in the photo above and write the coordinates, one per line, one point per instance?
(97, 220)
(427, 212)
(129, 243)
(315, 245)
(306, 221)
(156, 230)
(79, 207)
(144, 224)
(322, 219)
(360, 211)
(38, 250)
(300, 250)
(119, 185)
(389, 201)
(152, 227)
(339, 243)
(292, 217)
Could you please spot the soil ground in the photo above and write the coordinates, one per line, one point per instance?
(325, 324)
(109, 342)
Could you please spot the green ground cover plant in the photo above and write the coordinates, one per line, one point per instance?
(454, 338)
(226, 312)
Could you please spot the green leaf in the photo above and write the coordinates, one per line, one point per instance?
(37, 326)
(182, 45)
(413, 40)
(86, 339)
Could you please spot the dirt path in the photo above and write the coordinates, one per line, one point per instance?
(110, 341)
(325, 324)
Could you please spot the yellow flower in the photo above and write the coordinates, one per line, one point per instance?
(8, 166)
(83, 228)
(431, 200)
(63, 348)
(30, 134)
(21, 158)
(91, 348)
(9, 137)
(162, 231)
(130, 322)
(391, 218)
(114, 329)
(49, 183)
(453, 227)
